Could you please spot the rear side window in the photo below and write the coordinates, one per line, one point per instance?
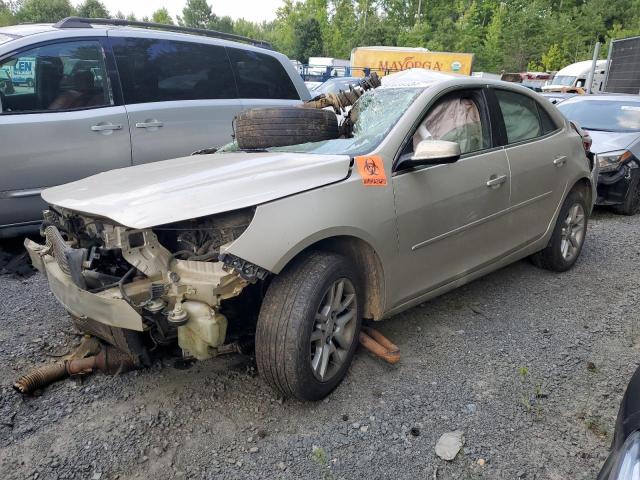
(548, 125)
(520, 114)
(261, 76)
(165, 70)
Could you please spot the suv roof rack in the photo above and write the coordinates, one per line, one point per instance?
(81, 22)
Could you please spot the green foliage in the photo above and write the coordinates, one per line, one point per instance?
(6, 15)
(92, 9)
(308, 40)
(44, 11)
(196, 13)
(504, 35)
(162, 16)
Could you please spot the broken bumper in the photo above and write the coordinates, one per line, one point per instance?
(106, 307)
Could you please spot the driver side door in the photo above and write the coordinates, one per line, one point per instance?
(452, 218)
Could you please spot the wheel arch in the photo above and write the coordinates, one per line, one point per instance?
(584, 185)
(366, 260)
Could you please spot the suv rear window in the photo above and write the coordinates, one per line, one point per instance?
(165, 70)
(261, 76)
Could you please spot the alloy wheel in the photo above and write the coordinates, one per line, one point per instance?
(573, 230)
(333, 329)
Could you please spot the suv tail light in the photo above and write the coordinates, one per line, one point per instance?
(586, 143)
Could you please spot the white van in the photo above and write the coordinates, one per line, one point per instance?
(575, 75)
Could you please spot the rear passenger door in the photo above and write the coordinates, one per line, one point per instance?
(536, 151)
(180, 96)
(262, 80)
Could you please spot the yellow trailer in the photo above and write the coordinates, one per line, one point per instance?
(385, 60)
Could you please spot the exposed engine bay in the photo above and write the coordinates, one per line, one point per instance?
(176, 280)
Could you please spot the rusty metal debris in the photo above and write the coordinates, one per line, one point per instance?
(379, 345)
(344, 98)
(108, 359)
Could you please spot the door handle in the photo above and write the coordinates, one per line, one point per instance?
(560, 161)
(149, 124)
(105, 127)
(495, 181)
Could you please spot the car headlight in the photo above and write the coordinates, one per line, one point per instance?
(627, 465)
(611, 161)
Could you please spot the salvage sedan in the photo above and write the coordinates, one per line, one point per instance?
(613, 122)
(432, 186)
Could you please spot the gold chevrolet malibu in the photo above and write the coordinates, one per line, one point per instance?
(435, 184)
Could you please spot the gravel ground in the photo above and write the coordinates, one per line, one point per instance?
(531, 365)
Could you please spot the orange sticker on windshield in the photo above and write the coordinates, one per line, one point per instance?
(371, 170)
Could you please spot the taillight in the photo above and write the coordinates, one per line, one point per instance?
(586, 138)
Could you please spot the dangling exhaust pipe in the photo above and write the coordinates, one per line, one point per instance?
(110, 360)
(379, 345)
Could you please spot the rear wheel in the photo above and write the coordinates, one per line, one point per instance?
(631, 203)
(308, 326)
(568, 236)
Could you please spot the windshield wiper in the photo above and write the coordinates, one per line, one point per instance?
(597, 129)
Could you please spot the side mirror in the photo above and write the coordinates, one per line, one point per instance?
(434, 152)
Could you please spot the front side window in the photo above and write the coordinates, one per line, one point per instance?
(456, 118)
(56, 77)
(261, 76)
(165, 70)
(520, 114)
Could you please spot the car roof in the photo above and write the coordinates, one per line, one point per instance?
(28, 29)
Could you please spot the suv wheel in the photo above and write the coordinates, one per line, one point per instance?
(631, 203)
(568, 236)
(308, 326)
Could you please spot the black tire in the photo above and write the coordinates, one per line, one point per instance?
(551, 257)
(30, 83)
(284, 348)
(631, 203)
(281, 126)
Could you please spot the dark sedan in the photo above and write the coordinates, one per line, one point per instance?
(613, 121)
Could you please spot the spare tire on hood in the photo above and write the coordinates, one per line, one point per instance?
(281, 126)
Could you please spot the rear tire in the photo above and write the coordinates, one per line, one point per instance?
(631, 203)
(568, 236)
(304, 345)
(281, 126)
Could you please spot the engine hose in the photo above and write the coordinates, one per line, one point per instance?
(126, 297)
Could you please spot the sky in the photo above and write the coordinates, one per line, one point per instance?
(254, 10)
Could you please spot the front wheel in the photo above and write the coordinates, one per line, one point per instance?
(568, 236)
(308, 327)
(631, 203)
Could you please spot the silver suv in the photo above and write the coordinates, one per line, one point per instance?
(93, 96)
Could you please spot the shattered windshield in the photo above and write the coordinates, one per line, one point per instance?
(375, 113)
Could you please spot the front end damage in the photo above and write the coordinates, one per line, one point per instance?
(141, 289)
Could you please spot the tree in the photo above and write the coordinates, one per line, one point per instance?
(93, 9)
(6, 15)
(132, 17)
(162, 16)
(308, 40)
(197, 14)
(120, 15)
(44, 11)
(554, 59)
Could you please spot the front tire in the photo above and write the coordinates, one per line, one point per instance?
(308, 327)
(568, 236)
(631, 203)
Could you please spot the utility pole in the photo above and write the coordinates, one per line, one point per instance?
(419, 9)
(594, 64)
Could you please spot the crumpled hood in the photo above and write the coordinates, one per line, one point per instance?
(179, 189)
(610, 141)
